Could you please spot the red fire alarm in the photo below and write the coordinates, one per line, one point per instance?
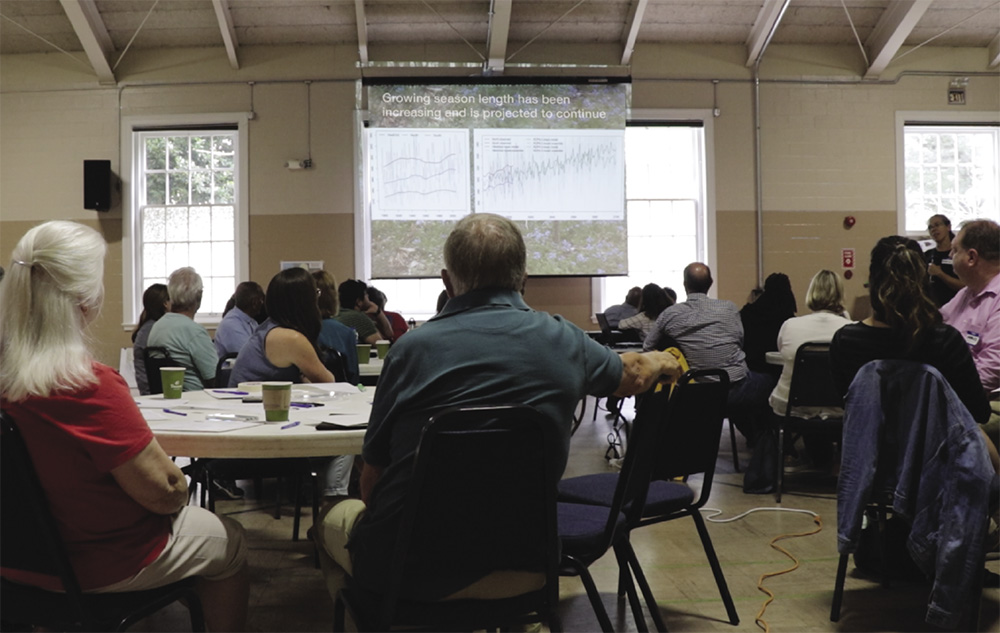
(849, 221)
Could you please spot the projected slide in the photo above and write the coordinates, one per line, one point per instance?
(419, 174)
(550, 174)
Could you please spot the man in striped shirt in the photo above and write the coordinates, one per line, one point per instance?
(710, 334)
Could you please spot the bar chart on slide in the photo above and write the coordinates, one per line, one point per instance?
(550, 174)
(421, 174)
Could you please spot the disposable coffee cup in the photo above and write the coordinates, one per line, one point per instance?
(383, 348)
(277, 397)
(173, 382)
(364, 353)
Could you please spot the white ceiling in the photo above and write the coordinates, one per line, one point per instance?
(499, 31)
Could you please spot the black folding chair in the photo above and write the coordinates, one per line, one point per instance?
(224, 369)
(482, 499)
(30, 546)
(678, 439)
(156, 358)
(812, 386)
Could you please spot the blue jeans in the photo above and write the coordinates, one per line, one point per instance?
(747, 404)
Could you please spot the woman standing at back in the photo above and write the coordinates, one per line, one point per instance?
(284, 346)
(155, 303)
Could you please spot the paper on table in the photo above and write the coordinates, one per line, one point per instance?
(157, 402)
(200, 426)
(326, 388)
(347, 420)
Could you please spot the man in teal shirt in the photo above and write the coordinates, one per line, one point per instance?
(486, 346)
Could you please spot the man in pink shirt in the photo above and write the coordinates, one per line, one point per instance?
(975, 310)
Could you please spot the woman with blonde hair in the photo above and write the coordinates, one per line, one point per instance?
(119, 502)
(825, 297)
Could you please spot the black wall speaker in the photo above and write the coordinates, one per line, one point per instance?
(97, 185)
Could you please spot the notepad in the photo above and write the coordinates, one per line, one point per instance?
(200, 426)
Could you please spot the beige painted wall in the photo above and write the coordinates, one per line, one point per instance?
(828, 149)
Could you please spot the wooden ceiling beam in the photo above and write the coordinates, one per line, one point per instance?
(362, 21)
(891, 31)
(763, 28)
(93, 36)
(631, 32)
(499, 32)
(225, 19)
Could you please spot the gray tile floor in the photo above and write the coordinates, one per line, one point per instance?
(288, 593)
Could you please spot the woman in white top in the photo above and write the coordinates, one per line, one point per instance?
(825, 298)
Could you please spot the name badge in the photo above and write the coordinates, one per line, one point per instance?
(972, 338)
(946, 261)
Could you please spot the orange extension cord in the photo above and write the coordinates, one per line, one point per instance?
(759, 619)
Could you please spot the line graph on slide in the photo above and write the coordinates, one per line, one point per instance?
(550, 174)
(419, 173)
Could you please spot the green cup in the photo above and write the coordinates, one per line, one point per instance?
(364, 353)
(382, 347)
(277, 397)
(173, 382)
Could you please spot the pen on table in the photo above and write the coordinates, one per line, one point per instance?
(289, 425)
(235, 393)
(174, 412)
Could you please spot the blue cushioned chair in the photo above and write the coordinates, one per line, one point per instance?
(684, 441)
(588, 530)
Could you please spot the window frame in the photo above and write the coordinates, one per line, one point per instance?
(929, 118)
(131, 230)
(652, 116)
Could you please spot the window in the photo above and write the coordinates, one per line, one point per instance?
(665, 194)
(186, 210)
(951, 168)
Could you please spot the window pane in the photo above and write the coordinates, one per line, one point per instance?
(177, 152)
(201, 187)
(222, 151)
(154, 224)
(156, 189)
(223, 258)
(225, 192)
(179, 188)
(156, 153)
(177, 224)
(200, 256)
(154, 260)
(200, 223)
(177, 256)
(223, 226)
(201, 152)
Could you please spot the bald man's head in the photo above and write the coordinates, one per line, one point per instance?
(697, 278)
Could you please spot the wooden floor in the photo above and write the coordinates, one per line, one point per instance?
(288, 593)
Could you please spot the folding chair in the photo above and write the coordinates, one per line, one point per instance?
(901, 419)
(224, 369)
(812, 386)
(499, 515)
(30, 547)
(684, 442)
(155, 358)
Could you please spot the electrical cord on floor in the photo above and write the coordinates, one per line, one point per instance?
(759, 619)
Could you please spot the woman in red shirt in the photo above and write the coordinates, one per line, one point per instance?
(119, 501)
